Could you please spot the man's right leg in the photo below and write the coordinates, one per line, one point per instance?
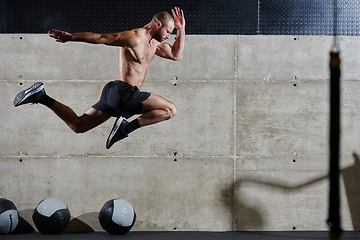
(36, 94)
(90, 119)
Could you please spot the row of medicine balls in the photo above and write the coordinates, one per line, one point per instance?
(51, 216)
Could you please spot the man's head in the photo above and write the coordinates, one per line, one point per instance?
(164, 25)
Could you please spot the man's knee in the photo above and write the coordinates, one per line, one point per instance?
(77, 128)
(171, 110)
(80, 125)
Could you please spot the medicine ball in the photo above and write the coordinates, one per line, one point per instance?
(51, 216)
(117, 216)
(9, 216)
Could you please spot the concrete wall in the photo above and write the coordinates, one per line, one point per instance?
(247, 150)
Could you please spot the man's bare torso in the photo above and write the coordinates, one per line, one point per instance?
(134, 62)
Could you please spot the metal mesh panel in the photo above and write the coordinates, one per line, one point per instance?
(305, 17)
(249, 17)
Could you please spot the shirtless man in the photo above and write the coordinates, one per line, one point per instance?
(121, 98)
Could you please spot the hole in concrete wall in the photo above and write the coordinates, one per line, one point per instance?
(20, 160)
(294, 160)
(21, 38)
(20, 83)
(175, 153)
(294, 84)
(174, 82)
(175, 160)
(294, 228)
(175, 229)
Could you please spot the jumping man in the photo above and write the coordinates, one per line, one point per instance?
(121, 98)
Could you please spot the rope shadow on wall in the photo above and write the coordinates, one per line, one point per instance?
(256, 217)
(252, 217)
(351, 179)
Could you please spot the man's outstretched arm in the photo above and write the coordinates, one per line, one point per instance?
(175, 51)
(122, 39)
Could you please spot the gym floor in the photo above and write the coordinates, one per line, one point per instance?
(294, 235)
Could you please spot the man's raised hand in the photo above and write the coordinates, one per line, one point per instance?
(179, 19)
(60, 36)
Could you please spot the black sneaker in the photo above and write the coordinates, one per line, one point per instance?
(117, 133)
(29, 95)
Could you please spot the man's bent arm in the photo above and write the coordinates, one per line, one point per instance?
(174, 52)
(179, 44)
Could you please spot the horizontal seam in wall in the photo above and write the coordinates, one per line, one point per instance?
(179, 81)
(169, 156)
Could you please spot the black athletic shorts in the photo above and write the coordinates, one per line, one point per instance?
(119, 98)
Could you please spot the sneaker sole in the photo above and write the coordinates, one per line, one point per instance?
(23, 95)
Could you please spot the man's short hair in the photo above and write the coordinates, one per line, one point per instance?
(163, 17)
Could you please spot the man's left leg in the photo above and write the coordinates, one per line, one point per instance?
(36, 94)
(154, 109)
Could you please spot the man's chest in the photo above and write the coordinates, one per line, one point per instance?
(147, 53)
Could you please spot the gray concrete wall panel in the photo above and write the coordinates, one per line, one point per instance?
(31, 57)
(166, 194)
(204, 58)
(349, 52)
(199, 128)
(294, 58)
(299, 111)
(282, 119)
(37, 56)
(283, 58)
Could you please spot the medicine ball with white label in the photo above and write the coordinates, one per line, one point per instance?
(51, 216)
(117, 216)
(9, 216)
